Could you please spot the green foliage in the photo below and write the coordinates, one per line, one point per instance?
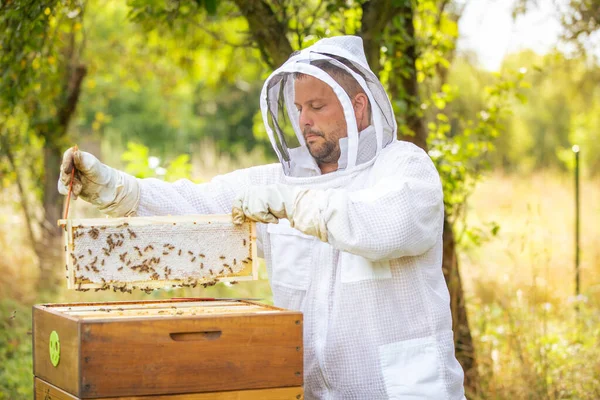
(460, 146)
(140, 164)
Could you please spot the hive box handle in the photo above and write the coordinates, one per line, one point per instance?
(195, 336)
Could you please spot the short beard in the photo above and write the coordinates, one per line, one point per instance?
(326, 153)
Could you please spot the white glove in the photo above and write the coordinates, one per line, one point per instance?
(269, 203)
(114, 192)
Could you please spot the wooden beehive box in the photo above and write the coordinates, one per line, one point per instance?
(137, 348)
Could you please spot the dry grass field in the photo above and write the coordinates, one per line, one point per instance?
(531, 341)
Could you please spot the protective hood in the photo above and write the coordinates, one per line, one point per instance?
(281, 117)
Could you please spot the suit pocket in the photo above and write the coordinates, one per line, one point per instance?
(291, 253)
(356, 268)
(411, 369)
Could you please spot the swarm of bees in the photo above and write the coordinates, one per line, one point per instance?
(120, 258)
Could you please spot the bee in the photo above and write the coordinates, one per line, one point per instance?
(132, 234)
(89, 252)
(128, 263)
(193, 259)
(244, 241)
(166, 245)
(202, 265)
(226, 265)
(179, 252)
(65, 247)
(125, 224)
(122, 257)
(86, 268)
(80, 257)
(234, 261)
(94, 233)
(211, 271)
(66, 267)
(102, 262)
(234, 282)
(165, 253)
(190, 253)
(222, 257)
(202, 255)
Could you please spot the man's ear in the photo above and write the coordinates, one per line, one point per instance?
(361, 107)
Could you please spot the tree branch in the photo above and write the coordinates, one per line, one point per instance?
(269, 32)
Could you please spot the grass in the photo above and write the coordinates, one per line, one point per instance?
(530, 341)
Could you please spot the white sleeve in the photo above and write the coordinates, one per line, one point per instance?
(215, 197)
(400, 215)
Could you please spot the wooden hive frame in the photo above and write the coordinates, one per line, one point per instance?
(83, 238)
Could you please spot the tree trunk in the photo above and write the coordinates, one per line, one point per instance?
(463, 342)
(405, 88)
(403, 85)
(49, 248)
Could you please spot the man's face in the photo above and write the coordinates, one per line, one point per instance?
(321, 118)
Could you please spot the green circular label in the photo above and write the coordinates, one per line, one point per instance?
(54, 348)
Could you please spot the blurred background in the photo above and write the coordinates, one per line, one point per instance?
(497, 91)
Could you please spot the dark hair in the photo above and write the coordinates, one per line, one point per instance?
(341, 76)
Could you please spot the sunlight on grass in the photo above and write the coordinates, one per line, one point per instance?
(520, 289)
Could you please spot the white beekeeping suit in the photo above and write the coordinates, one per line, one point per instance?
(361, 254)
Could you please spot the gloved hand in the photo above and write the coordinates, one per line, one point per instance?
(269, 203)
(114, 192)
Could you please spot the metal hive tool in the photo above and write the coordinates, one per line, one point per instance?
(156, 252)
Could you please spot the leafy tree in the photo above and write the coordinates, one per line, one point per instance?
(410, 44)
(39, 90)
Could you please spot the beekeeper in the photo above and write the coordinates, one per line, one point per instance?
(351, 227)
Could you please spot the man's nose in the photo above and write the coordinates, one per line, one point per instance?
(305, 119)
